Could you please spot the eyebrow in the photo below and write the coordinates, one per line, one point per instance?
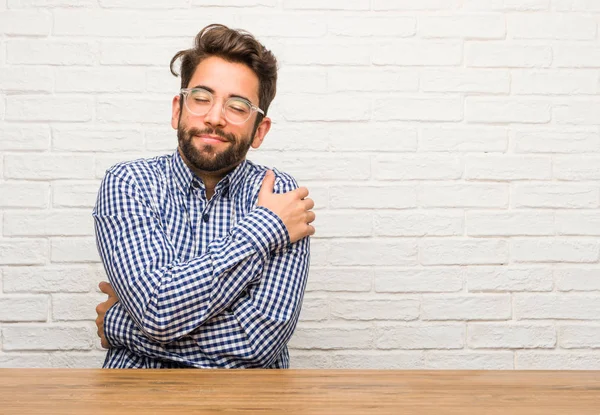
(212, 91)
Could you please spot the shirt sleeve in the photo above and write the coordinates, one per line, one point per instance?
(166, 298)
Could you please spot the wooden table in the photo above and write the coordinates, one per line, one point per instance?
(100, 391)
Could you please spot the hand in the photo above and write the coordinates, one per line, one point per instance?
(292, 207)
(102, 308)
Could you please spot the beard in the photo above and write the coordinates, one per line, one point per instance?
(208, 158)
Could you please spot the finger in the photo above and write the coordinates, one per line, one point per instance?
(310, 217)
(268, 182)
(310, 230)
(301, 192)
(106, 288)
(309, 203)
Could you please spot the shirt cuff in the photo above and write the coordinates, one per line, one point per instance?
(264, 229)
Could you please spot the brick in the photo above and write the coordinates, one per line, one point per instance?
(418, 109)
(53, 279)
(98, 23)
(547, 195)
(322, 107)
(455, 251)
(576, 55)
(418, 223)
(470, 360)
(576, 6)
(159, 24)
(23, 252)
(100, 80)
(309, 360)
(556, 361)
(503, 54)
(360, 308)
(466, 26)
(422, 336)
(73, 307)
(372, 79)
(555, 250)
(22, 137)
(282, 25)
(22, 4)
(339, 279)
(489, 81)
(511, 336)
(142, 4)
(579, 336)
(96, 140)
(373, 252)
(314, 308)
(576, 168)
(337, 224)
(164, 138)
(61, 222)
(348, 137)
(554, 82)
(422, 53)
(24, 195)
(505, 167)
(329, 5)
(138, 53)
(467, 195)
(160, 80)
(510, 223)
(47, 108)
(501, 279)
(46, 337)
(577, 279)
(466, 307)
(460, 139)
(18, 79)
(553, 306)
(373, 197)
(26, 23)
(435, 5)
(70, 194)
(50, 52)
(78, 360)
(347, 336)
(507, 110)
(577, 112)
(580, 223)
(23, 308)
(551, 26)
(508, 5)
(397, 26)
(380, 360)
(49, 166)
(419, 280)
(132, 110)
(326, 52)
(557, 140)
(79, 249)
(24, 360)
(394, 167)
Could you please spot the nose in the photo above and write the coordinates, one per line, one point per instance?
(214, 117)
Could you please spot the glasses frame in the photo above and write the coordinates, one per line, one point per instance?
(185, 92)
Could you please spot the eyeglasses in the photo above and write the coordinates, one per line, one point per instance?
(236, 110)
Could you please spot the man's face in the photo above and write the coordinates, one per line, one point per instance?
(210, 143)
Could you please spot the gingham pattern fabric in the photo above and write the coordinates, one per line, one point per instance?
(202, 283)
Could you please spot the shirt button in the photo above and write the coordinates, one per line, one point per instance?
(195, 184)
(205, 217)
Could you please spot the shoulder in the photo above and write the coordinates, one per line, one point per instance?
(284, 182)
(141, 172)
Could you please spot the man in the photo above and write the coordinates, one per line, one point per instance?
(207, 254)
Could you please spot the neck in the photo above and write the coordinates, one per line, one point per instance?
(209, 178)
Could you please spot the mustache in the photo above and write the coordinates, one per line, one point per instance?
(212, 131)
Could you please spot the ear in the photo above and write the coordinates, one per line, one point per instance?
(175, 110)
(261, 132)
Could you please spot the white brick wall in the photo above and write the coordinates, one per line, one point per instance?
(452, 148)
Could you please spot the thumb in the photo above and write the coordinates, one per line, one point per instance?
(268, 183)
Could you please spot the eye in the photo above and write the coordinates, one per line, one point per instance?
(239, 107)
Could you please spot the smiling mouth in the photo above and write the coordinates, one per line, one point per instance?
(212, 139)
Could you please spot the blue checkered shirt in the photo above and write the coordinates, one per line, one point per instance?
(201, 283)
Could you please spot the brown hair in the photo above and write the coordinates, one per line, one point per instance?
(235, 46)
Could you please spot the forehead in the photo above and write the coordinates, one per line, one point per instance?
(226, 78)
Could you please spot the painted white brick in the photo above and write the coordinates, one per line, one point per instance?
(392, 252)
(357, 308)
(364, 26)
(68, 194)
(500, 279)
(23, 308)
(507, 55)
(576, 55)
(575, 112)
(282, 25)
(164, 138)
(468, 26)
(49, 166)
(326, 52)
(344, 224)
(26, 4)
(339, 107)
(560, 26)
(418, 223)
(510, 223)
(577, 279)
(98, 139)
(374, 197)
(72, 307)
(50, 52)
(501, 5)
(530, 360)
(473, 195)
(576, 168)
(490, 81)
(97, 23)
(160, 80)
(552, 306)
(579, 336)
(46, 337)
(19, 78)
(25, 23)
(329, 5)
(505, 167)
(469, 360)
(548, 195)
(62, 223)
(377, 360)
(581, 223)
(48, 108)
(139, 53)
(181, 23)
(24, 360)
(559, 82)
(371, 79)
(339, 279)
(347, 336)
(394, 167)
(423, 53)
(23, 137)
(418, 109)
(419, 280)
(78, 360)
(100, 80)
(421, 336)
(555, 250)
(23, 252)
(309, 360)
(53, 279)
(557, 140)
(358, 138)
(24, 195)
(466, 307)
(462, 139)
(507, 110)
(454, 251)
(74, 249)
(314, 308)
(434, 5)
(132, 110)
(142, 4)
(511, 336)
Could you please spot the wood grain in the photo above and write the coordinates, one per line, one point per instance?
(101, 391)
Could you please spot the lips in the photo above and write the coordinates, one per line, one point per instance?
(212, 139)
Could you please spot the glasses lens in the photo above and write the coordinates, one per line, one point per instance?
(237, 111)
(199, 101)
